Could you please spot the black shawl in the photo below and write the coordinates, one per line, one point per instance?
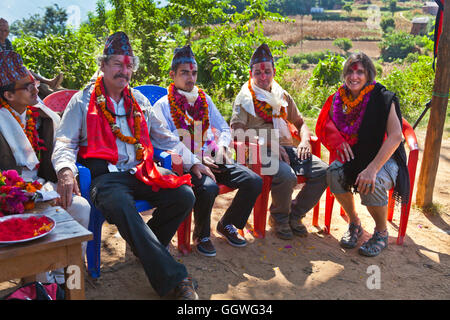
(370, 138)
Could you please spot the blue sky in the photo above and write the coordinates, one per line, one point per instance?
(12, 10)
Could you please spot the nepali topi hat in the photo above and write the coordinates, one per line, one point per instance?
(261, 54)
(118, 44)
(11, 68)
(183, 55)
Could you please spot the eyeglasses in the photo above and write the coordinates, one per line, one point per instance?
(29, 86)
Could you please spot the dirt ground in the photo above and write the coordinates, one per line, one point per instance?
(314, 268)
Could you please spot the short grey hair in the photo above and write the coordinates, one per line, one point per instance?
(106, 58)
(366, 62)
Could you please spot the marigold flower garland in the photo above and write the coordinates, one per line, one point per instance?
(348, 115)
(179, 107)
(29, 128)
(101, 102)
(263, 109)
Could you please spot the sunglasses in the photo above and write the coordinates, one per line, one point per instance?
(29, 86)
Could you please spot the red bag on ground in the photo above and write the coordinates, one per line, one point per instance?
(37, 291)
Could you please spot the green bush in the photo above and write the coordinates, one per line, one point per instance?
(387, 24)
(413, 86)
(344, 44)
(397, 45)
(328, 71)
(73, 54)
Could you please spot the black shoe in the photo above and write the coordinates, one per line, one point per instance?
(206, 248)
(185, 290)
(231, 235)
(350, 238)
(282, 230)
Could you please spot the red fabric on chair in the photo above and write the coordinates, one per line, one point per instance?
(57, 101)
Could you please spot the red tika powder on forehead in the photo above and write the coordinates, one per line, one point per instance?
(126, 60)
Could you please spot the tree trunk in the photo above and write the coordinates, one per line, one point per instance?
(439, 102)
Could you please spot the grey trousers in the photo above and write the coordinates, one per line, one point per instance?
(283, 208)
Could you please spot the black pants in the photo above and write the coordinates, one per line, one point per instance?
(114, 195)
(206, 191)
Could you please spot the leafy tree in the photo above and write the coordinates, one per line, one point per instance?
(329, 4)
(392, 6)
(413, 86)
(328, 71)
(52, 22)
(387, 24)
(283, 7)
(224, 53)
(397, 45)
(348, 8)
(72, 53)
(196, 15)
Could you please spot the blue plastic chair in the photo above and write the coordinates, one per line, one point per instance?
(96, 218)
(153, 93)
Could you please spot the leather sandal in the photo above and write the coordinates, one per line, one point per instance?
(374, 245)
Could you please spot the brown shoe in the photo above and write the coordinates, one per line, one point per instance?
(185, 290)
(282, 230)
(298, 228)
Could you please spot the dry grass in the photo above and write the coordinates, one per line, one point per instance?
(292, 32)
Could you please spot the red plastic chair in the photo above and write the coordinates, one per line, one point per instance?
(261, 205)
(57, 101)
(411, 141)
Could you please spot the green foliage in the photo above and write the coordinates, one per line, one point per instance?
(329, 4)
(310, 101)
(344, 44)
(332, 16)
(347, 8)
(328, 71)
(413, 86)
(283, 7)
(387, 24)
(397, 45)
(73, 54)
(291, 7)
(223, 51)
(310, 57)
(52, 22)
(392, 6)
(195, 16)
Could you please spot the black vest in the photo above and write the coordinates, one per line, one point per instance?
(46, 170)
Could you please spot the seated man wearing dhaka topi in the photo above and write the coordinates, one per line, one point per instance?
(112, 130)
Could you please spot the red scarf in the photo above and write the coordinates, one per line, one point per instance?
(326, 130)
(102, 144)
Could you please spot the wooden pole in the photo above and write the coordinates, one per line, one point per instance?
(435, 129)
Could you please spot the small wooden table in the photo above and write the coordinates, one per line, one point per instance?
(60, 248)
